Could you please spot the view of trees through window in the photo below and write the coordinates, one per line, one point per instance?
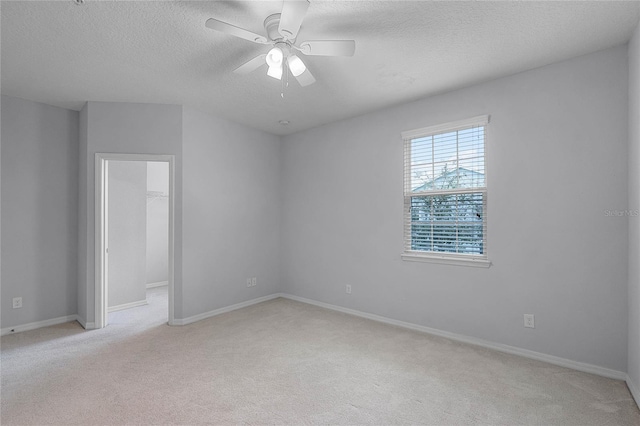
(448, 223)
(447, 201)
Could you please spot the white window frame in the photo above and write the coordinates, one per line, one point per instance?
(476, 260)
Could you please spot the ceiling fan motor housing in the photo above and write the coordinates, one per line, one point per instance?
(271, 25)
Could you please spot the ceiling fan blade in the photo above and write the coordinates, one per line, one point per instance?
(252, 65)
(306, 78)
(293, 12)
(214, 24)
(328, 47)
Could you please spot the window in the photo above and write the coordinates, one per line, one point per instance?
(445, 193)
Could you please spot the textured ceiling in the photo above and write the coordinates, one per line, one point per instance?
(160, 52)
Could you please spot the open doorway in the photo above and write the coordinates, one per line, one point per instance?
(134, 237)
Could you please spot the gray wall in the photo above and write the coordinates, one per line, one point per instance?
(39, 211)
(157, 222)
(111, 127)
(633, 368)
(556, 158)
(231, 212)
(127, 232)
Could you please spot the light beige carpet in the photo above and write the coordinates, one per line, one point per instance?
(284, 362)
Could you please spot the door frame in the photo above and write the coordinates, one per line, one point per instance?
(102, 228)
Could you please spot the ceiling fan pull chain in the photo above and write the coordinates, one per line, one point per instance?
(286, 76)
(285, 81)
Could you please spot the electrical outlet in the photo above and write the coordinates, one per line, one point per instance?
(348, 289)
(529, 321)
(254, 281)
(17, 302)
(248, 282)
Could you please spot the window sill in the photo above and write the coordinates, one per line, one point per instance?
(446, 260)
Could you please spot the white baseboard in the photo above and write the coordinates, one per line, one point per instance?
(37, 324)
(86, 325)
(562, 362)
(215, 312)
(157, 284)
(127, 306)
(635, 390)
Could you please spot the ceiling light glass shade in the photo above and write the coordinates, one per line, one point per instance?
(296, 65)
(274, 57)
(275, 71)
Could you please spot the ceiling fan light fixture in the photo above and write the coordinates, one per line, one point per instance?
(275, 71)
(296, 65)
(274, 58)
(282, 31)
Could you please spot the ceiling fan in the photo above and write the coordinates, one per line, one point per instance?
(282, 30)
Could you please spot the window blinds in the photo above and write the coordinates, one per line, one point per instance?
(445, 193)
